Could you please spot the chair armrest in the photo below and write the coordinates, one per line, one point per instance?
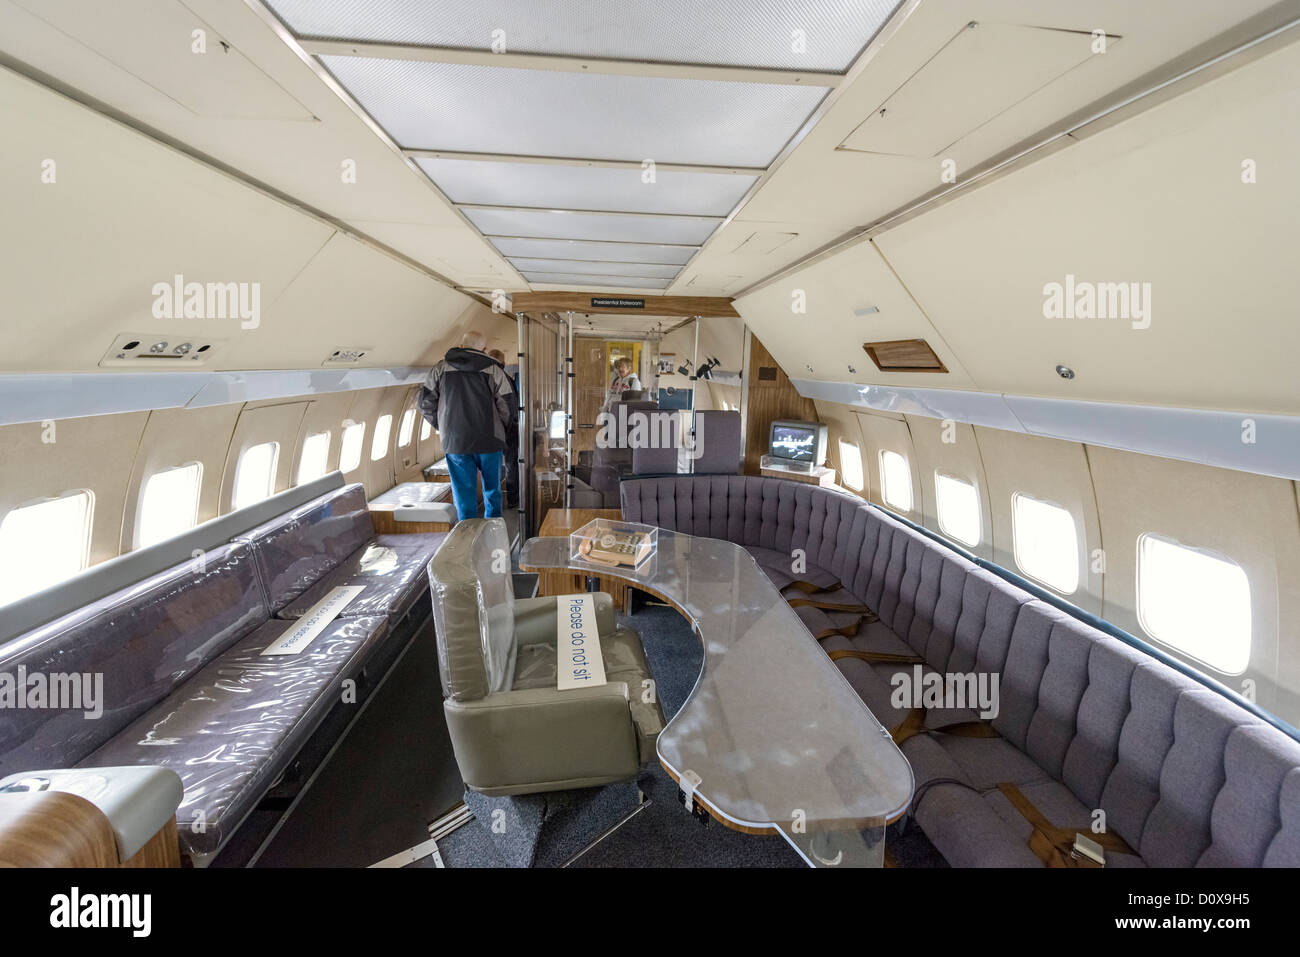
(535, 618)
(520, 740)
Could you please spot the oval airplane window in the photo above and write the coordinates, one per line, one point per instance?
(379, 445)
(407, 429)
(350, 451)
(43, 544)
(314, 458)
(255, 474)
(169, 504)
(1213, 628)
(851, 466)
(958, 504)
(1045, 541)
(895, 481)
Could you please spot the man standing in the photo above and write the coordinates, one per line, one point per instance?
(511, 480)
(467, 397)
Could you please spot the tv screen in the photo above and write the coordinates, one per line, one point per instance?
(794, 443)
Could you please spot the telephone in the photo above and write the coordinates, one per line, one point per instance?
(616, 548)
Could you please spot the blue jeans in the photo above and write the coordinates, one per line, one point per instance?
(464, 471)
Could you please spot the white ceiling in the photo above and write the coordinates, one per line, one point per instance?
(764, 150)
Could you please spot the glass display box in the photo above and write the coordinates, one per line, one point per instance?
(608, 543)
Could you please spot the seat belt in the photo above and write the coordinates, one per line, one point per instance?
(845, 631)
(914, 724)
(1055, 846)
(867, 614)
(883, 657)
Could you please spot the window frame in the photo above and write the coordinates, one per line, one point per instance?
(1139, 610)
(857, 455)
(348, 426)
(302, 455)
(136, 541)
(383, 428)
(406, 428)
(884, 483)
(271, 475)
(1015, 543)
(87, 533)
(939, 475)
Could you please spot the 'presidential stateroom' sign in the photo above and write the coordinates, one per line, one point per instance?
(577, 643)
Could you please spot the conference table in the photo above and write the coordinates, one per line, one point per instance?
(772, 738)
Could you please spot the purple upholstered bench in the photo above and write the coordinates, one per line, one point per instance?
(1087, 723)
(185, 684)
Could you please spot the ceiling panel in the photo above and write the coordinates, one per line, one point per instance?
(943, 101)
(579, 186)
(594, 252)
(753, 33)
(646, 270)
(487, 109)
(553, 224)
(577, 279)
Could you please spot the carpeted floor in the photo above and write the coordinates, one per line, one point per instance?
(661, 833)
(395, 773)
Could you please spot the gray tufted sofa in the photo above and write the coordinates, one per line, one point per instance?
(1087, 722)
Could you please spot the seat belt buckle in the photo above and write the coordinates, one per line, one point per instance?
(1087, 850)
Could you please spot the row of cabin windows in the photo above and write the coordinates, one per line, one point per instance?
(48, 542)
(1046, 548)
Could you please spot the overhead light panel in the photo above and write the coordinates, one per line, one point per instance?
(747, 33)
(644, 270)
(594, 251)
(575, 279)
(490, 109)
(551, 224)
(577, 187)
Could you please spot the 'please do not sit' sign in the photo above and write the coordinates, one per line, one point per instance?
(577, 643)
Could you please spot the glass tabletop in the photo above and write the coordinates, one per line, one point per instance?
(775, 733)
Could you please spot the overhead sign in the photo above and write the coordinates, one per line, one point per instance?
(577, 643)
(306, 628)
(616, 302)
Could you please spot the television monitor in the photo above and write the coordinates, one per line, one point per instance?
(801, 444)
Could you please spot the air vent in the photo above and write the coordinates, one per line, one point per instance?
(904, 355)
(346, 357)
(159, 350)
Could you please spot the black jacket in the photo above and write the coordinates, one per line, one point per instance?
(467, 397)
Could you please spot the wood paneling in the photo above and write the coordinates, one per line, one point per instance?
(60, 829)
(536, 303)
(770, 396)
(590, 386)
(54, 829)
(162, 850)
(904, 355)
(381, 518)
(559, 522)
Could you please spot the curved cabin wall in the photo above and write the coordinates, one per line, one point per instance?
(108, 214)
(1193, 196)
(1115, 497)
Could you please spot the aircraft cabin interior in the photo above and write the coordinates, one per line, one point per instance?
(449, 434)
